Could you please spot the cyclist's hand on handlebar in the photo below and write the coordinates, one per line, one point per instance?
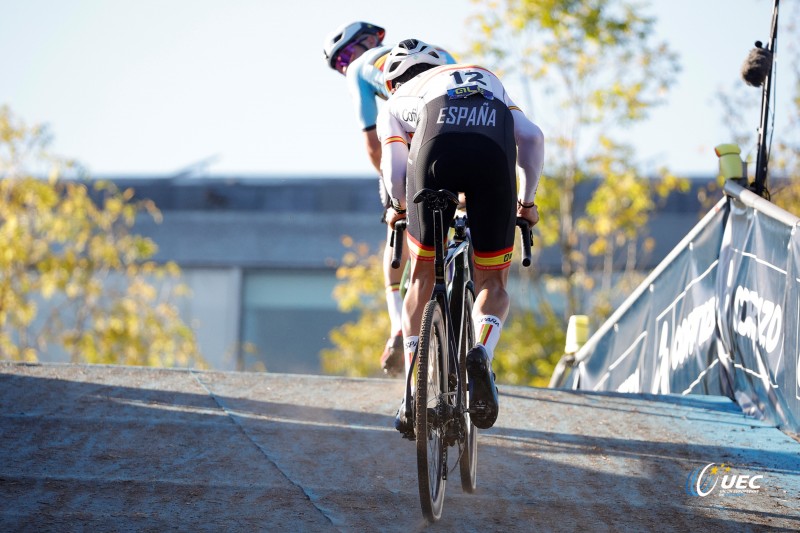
(393, 216)
(531, 214)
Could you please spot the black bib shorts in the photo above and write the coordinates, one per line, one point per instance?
(466, 145)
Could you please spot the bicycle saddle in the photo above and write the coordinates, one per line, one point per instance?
(435, 199)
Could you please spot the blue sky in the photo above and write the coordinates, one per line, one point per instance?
(152, 87)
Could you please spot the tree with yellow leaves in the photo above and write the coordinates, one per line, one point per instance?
(358, 344)
(74, 279)
(598, 70)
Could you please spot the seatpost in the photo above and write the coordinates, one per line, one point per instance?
(438, 245)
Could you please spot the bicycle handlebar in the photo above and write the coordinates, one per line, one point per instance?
(527, 240)
(397, 242)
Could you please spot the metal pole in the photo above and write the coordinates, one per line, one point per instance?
(760, 184)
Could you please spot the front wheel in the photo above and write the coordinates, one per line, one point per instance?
(468, 461)
(431, 399)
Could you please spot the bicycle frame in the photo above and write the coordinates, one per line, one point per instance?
(460, 280)
(457, 258)
(458, 247)
(450, 290)
(441, 413)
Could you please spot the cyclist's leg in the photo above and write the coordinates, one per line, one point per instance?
(419, 292)
(491, 194)
(392, 357)
(491, 307)
(491, 297)
(491, 205)
(427, 148)
(392, 278)
(420, 241)
(490, 277)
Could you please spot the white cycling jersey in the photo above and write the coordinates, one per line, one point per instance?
(398, 121)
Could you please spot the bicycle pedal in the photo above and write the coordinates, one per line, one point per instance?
(478, 412)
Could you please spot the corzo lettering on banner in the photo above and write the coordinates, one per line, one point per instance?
(757, 318)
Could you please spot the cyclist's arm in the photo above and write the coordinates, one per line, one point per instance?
(394, 142)
(373, 147)
(366, 107)
(530, 154)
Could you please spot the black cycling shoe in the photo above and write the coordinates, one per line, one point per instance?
(404, 421)
(483, 402)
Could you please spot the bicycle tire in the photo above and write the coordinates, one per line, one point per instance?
(468, 461)
(430, 394)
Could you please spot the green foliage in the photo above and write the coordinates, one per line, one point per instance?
(72, 275)
(530, 347)
(358, 344)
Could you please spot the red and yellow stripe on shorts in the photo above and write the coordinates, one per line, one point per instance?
(497, 260)
(419, 250)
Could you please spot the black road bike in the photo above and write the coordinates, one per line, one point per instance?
(439, 406)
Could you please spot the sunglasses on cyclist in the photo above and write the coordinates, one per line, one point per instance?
(345, 56)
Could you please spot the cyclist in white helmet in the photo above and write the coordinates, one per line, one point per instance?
(467, 137)
(356, 51)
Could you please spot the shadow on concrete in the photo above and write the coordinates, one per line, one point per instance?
(113, 448)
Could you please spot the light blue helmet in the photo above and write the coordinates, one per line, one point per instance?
(348, 34)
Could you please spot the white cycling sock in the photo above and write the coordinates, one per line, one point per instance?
(409, 347)
(487, 332)
(395, 304)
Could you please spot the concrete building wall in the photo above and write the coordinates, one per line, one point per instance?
(214, 313)
(260, 254)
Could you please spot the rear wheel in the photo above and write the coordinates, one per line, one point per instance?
(468, 461)
(431, 399)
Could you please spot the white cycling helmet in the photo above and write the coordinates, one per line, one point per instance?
(407, 54)
(348, 34)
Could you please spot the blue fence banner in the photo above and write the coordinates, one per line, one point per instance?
(758, 288)
(720, 315)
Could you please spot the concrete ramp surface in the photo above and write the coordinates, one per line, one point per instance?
(100, 448)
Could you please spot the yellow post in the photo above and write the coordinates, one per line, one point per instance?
(731, 165)
(577, 333)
